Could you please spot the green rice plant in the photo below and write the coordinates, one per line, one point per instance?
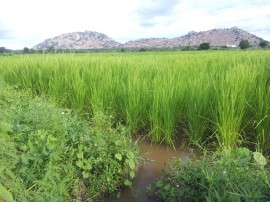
(22, 74)
(102, 92)
(261, 111)
(160, 93)
(76, 91)
(233, 93)
(58, 84)
(166, 108)
(137, 99)
(198, 103)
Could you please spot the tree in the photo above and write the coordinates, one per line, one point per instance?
(26, 50)
(142, 49)
(244, 44)
(263, 43)
(51, 49)
(204, 46)
(3, 50)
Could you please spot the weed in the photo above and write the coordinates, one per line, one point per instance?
(228, 175)
(50, 154)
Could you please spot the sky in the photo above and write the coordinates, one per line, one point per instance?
(25, 23)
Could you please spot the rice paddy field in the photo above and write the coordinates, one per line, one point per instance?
(219, 98)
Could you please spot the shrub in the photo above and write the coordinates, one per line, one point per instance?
(48, 154)
(232, 175)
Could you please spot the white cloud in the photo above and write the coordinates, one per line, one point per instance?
(28, 22)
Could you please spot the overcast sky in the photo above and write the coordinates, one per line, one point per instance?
(25, 23)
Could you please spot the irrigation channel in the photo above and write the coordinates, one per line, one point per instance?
(155, 158)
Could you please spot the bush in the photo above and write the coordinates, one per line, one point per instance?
(48, 154)
(233, 175)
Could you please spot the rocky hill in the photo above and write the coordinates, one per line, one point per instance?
(94, 40)
(79, 40)
(148, 43)
(216, 37)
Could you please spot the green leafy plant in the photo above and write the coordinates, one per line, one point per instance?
(230, 175)
(50, 154)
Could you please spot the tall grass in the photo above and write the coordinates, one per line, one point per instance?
(222, 95)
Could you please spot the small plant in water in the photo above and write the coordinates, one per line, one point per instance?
(230, 175)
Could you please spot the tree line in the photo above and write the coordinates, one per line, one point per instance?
(244, 44)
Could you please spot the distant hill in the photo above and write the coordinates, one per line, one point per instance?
(96, 40)
(216, 37)
(148, 43)
(79, 40)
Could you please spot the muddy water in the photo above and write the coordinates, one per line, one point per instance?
(156, 157)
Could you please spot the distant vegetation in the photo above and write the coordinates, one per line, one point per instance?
(2, 50)
(244, 44)
(204, 46)
(26, 50)
(263, 44)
